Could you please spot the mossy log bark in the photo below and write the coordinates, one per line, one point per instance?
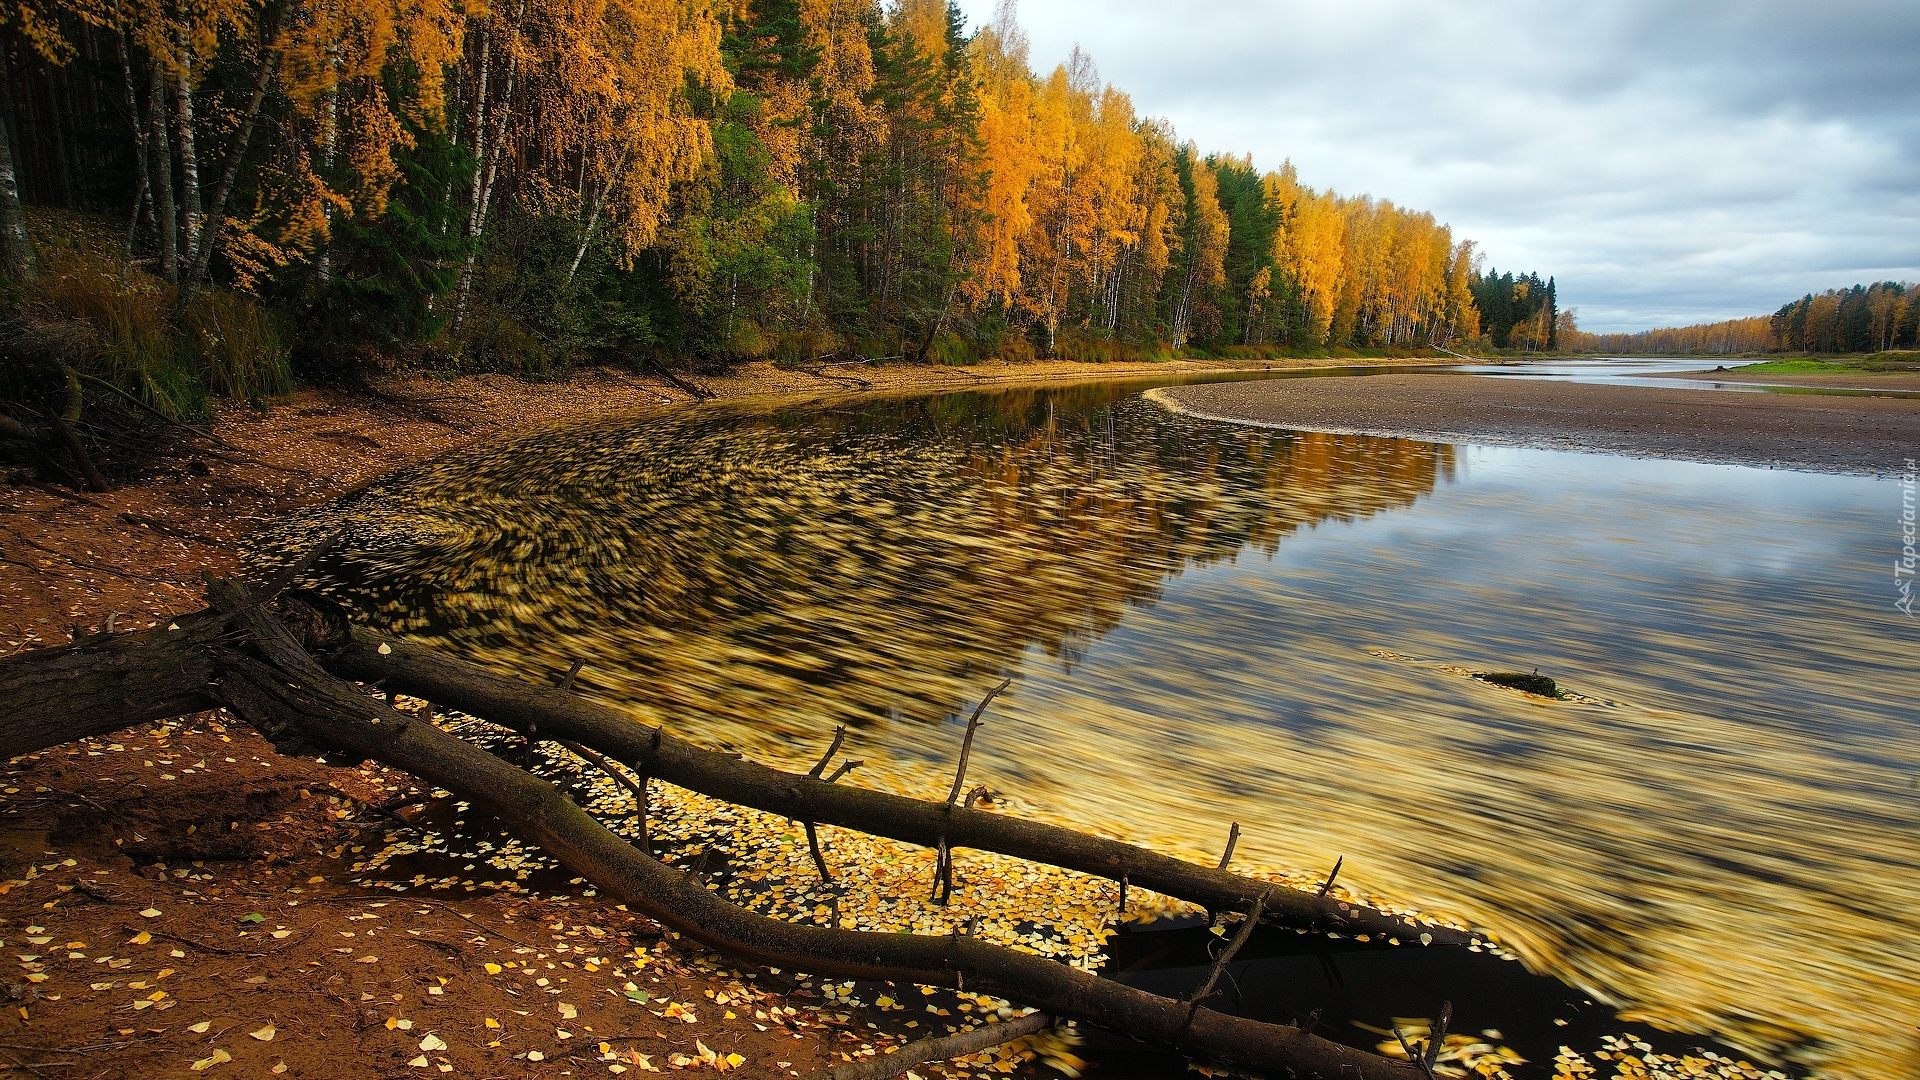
(243, 656)
(105, 683)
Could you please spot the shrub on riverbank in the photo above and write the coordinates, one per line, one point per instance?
(93, 312)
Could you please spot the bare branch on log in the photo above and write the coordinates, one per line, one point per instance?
(819, 860)
(944, 1048)
(1419, 1061)
(966, 744)
(1205, 992)
(839, 734)
(846, 767)
(566, 684)
(1233, 837)
(1334, 873)
(599, 761)
(942, 875)
(1429, 1054)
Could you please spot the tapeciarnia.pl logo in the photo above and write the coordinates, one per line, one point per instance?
(1903, 569)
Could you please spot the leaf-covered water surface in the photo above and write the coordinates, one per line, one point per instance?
(1208, 624)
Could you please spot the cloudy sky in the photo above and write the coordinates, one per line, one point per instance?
(1669, 161)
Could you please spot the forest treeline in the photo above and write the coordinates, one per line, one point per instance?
(1864, 319)
(529, 184)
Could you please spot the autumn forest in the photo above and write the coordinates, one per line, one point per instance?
(1863, 319)
(525, 186)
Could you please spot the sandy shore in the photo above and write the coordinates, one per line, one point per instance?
(1829, 434)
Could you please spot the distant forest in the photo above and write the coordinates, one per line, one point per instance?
(1863, 319)
(527, 186)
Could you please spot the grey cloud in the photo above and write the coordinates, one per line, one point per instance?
(1668, 163)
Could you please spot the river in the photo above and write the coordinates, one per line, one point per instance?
(1207, 624)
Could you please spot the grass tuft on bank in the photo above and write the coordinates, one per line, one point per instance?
(1881, 363)
(93, 314)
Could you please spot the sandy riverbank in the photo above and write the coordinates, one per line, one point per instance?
(1822, 433)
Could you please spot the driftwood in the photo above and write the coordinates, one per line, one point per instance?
(514, 703)
(266, 665)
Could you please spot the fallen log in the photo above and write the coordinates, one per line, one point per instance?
(105, 683)
(243, 656)
(523, 706)
(270, 680)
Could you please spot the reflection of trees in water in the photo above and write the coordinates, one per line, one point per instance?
(844, 564)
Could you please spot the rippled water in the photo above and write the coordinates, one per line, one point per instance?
(1209, 624)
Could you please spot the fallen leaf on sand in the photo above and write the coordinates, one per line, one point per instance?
(219, 1056)
(265, 1034)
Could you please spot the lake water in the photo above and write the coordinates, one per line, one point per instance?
(1209, 624)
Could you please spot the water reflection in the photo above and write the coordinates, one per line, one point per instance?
(875, 561)
(1210, 624)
